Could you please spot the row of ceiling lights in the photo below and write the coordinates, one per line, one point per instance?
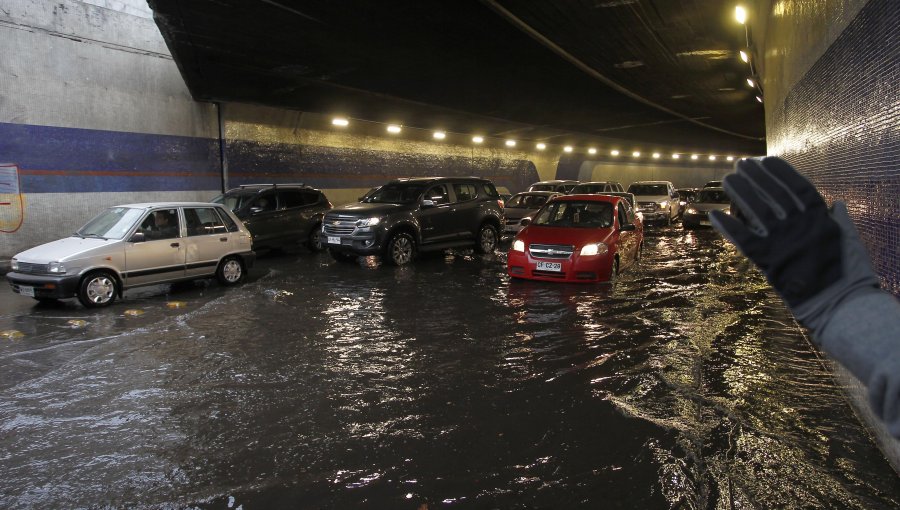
(395, 129)
(740, 14)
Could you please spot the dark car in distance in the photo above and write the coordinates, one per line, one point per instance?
(278, 215)
(407, 216)
(558, 185)
(708, 199)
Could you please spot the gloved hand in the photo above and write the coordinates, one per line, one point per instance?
(812, 256)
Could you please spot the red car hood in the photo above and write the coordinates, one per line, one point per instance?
(577, 237)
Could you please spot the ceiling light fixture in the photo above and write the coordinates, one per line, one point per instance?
(568, 148)
(729, 158)
(510, 143)
(592, 151)
(751, 82)
(541, 146)
(695, 156)
(636, 154)
(340, 121)
(656, 155)
(439, 135)
(393, 128)
(759, 99)
(712, 158)
(477, 139)
(740, 14)
(745, 57)
(676, 156)
(613, 152)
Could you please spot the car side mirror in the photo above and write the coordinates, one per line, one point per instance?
(627, 227)
(525, 221)
(138, 237)
(427, 203)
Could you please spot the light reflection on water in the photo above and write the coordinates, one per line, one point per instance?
(326, 385)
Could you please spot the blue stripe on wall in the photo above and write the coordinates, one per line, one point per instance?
(61, 160)
(69, 160)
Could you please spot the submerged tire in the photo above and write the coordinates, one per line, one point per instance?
(401, 249)
(614, 272)
(98, 289)
(486, 242)
(313, 241)
(230, 271)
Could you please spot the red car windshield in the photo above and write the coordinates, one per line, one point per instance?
(575, 214)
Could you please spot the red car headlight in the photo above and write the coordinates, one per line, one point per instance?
(594, 249)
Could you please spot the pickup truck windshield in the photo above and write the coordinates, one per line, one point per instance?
(648, 189)
(397, 193)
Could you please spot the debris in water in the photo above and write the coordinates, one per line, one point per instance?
(176, 304)
(11, 334)
(134, 313)
(77, 323)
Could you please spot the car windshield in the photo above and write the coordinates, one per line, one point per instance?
(648, 189)
(575, 214)
(709, 196)
(397, 193)
(526, 201)
(112, 223)
(543, 187)
(588, 189)
(233, 201)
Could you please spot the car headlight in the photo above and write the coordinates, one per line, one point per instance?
(691, 210)
(14, 264)
(594, 249)
(368, 222)
(664, 204)
(56, 267)
(519, 245)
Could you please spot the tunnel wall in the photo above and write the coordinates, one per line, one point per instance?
(624, 170)
(832, 81)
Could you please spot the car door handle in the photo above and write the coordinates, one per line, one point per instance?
(175, 245)
(223, 239)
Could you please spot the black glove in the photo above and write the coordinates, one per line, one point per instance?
(812, 256)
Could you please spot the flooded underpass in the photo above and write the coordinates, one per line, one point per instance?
(318, 384)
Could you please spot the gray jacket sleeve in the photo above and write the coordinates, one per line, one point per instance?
(863, 334)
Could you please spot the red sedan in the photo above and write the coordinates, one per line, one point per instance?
(578, 238)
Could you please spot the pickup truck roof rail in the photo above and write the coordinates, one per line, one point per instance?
(272, 185)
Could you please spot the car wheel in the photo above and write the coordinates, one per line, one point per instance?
(341, 256)
(313, 241)
(401, 249)
(614, 272)
(487, 239)
(230, 271)
(98, 289)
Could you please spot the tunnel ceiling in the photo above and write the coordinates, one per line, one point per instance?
(656, 72)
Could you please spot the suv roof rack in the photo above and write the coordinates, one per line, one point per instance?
(273, 185)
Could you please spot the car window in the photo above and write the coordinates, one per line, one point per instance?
(264, 203)
(566, 188)
(233, 201)
(161, 224)
(201, 221)
(542, 187)
(438, 194)
(490, 190)
(575, 214)
(708, 196)
(629, 211)
(289, 198)
(230, 225)
(464, 192)
(623, 218)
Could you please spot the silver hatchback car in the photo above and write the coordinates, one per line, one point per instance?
(133, 245)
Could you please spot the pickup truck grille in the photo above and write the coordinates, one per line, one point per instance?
(648, 206)
(551, 251)
(339, 225)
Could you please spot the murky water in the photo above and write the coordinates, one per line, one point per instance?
(442, 385)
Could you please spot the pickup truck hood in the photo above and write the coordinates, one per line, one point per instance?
(652, 198)
(364, 209)
(64, 249)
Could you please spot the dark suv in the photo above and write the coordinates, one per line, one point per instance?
(278, 215)
(420, 214)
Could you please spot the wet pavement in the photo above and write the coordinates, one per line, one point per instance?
(318, 384)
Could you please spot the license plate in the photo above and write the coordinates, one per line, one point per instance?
(26, 291)
(548, 266)
(334, 240)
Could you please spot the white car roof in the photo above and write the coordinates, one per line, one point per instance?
(153, 205)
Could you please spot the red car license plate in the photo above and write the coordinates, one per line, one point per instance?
(548, 266)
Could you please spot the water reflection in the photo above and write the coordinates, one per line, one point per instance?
(442, 384)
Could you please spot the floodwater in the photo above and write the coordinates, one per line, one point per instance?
(318, 384)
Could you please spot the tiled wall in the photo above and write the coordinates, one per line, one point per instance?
(840, 125)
